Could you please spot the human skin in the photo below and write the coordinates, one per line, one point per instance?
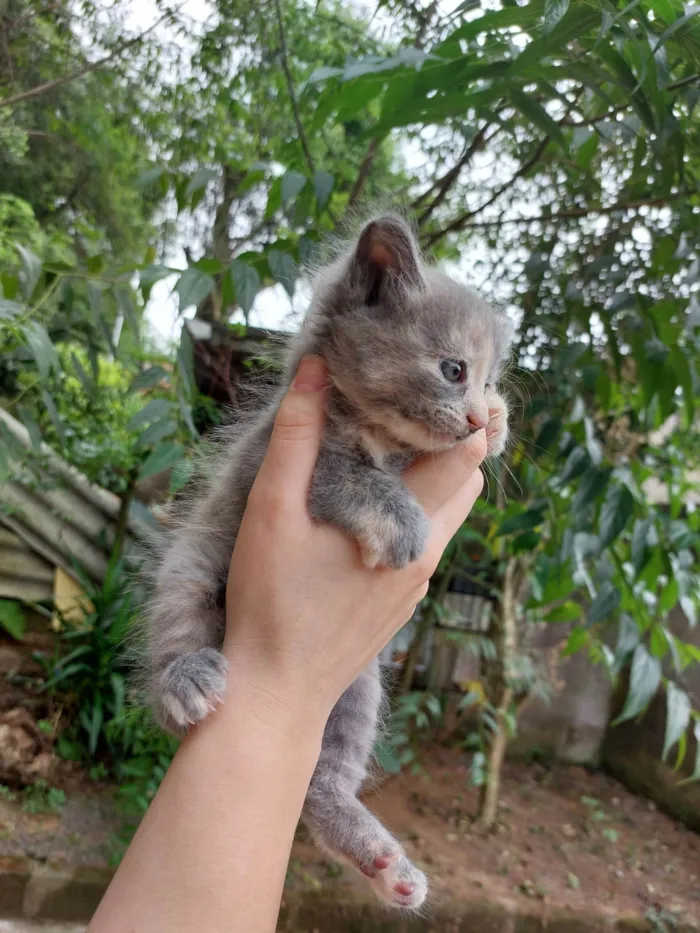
(212, 851)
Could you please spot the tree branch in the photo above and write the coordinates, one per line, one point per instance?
(444, 184)
(459, 223)
(81, 72)
(582, 211)
(363, 174)
(290, 87)
(293, 98)
(373, 147)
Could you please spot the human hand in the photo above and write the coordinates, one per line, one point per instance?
(304, 615)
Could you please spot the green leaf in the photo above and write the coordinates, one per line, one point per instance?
(537, 115)
(163, 457)
(627, 639)
(9, 309)
(246, 284)
(42, 349)
(522, 521)
(591, 486)
(576, 23)
(50, 406)
(495, 20)
(157, 432)
(577, 639)
(12, 618)
(30, 271)
(577, 463)
(658, 645)
(681, 366)
(185, 362)
(323, 186)
(199, 181)
(193, 287)
(639, 549)
(94, 292)
(27, 419)
(95, 726)
(284, 269)
(616, 512)
(292, 184)
(554, 10)
(678, 708)
(695, 776)
(180, 475)
(125, 303)
(566, 612)
(645, 677)
(387, 758)
(87, 384)
(150, 175)
(548, 434)
(118, 692)
(604, 603)
(323, 74)
(148, 378)
(669, 596)
(153, 411)
(691, 12)
(527, 541)
(152, 274)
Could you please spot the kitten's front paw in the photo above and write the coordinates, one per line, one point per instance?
(497, 427)
(191, 687)
(394, 537)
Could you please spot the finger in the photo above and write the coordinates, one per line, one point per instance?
(436, 479)
(297, 432)
(449, 517)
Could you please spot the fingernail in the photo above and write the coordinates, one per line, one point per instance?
(311, 375)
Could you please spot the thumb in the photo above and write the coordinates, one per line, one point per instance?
(297, 431)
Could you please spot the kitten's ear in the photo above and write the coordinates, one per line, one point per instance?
(386, 259)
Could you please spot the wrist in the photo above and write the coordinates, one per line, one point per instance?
(280, 699)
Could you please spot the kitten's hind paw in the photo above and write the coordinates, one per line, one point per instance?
(397, 881)
(192, 686)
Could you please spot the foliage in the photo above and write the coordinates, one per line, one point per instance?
(550, 150)
(103, 723)
(12, 618)
(38, 797)
(89, 671)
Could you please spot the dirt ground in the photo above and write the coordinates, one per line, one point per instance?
(564, 835)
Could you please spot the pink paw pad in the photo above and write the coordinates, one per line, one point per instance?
(404, 888)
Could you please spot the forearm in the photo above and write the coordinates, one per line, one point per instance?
(212, 851)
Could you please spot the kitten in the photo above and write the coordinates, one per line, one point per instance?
(413, 360)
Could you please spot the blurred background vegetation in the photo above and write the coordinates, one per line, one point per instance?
(183, 163)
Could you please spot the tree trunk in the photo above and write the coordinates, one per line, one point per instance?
(504, 633)
(211, 308)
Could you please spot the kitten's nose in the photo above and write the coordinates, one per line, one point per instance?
(477, 420)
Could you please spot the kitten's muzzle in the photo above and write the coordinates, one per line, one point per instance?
(476, 421)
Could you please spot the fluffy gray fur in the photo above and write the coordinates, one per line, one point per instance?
(384, 322)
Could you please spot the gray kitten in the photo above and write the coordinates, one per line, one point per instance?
(413, 360)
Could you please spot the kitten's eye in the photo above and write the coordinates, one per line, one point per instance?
(454, 370)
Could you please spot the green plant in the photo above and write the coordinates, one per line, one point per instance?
(89, 670)
(40, 797)
(12, 618)
(7, 793)
(413, 720)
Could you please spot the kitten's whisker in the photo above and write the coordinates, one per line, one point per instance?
(512, 476)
